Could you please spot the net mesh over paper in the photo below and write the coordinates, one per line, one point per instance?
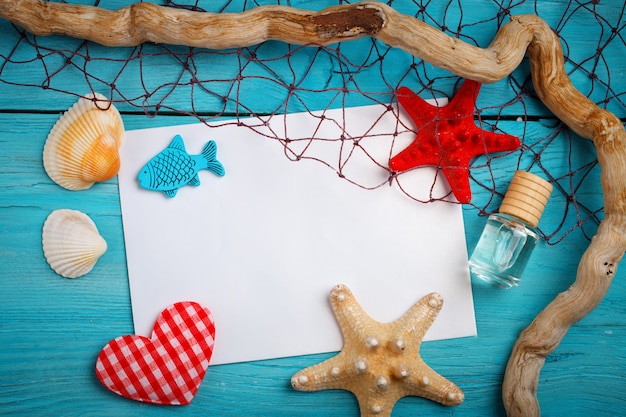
(273, 78)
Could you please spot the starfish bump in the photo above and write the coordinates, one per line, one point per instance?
(448, 137)
(380, 362)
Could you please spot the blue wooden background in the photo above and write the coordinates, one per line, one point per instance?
(52, 329)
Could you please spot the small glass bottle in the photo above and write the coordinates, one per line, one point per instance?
(510, 236)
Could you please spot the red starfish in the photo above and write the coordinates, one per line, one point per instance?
(448, 138)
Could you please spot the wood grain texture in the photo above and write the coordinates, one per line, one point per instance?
(51, 329)
(219, 71)
(600, 261)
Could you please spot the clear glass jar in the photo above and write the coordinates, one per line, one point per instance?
(503, 250)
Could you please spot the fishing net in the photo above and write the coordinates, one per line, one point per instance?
(272, 79)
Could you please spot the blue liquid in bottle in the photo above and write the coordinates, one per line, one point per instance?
(509, 237)
(503, 250)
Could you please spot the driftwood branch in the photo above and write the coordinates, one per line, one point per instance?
(145, 22)
(599, 262)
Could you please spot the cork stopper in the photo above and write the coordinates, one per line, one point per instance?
(526, 197)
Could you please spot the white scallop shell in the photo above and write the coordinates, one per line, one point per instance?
(71, 243)
(83, 145)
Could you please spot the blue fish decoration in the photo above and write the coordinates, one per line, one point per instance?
(173, 167)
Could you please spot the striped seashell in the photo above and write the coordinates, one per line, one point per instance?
(83, 146)
(71, 243)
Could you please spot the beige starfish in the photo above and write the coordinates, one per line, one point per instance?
(380, 362)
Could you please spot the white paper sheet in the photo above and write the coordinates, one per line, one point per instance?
(262, 246)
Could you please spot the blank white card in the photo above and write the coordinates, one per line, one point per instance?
(263, 246)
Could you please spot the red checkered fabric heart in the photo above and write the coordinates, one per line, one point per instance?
(167, 368)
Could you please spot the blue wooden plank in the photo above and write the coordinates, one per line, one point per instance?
(229, 81)
(52, 328)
